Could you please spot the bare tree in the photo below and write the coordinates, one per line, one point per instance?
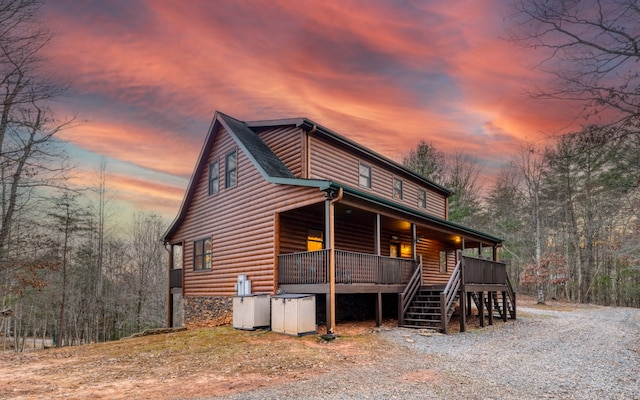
(29, 155)
(592, 51)
(532, 167)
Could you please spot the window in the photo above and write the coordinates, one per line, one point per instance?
(443, 261)
(365, 175)
(315, 240)
(422, 198)
(213, 178)
(202, 254)
(397, 188)
(231, 170)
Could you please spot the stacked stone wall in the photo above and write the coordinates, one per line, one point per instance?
(202, 312)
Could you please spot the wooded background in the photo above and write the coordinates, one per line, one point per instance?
(567, 207)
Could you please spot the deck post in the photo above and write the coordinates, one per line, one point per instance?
(490, 307)
(481, 308)
(379, 309)
(504, 306)
(400, 309)
(443, 313)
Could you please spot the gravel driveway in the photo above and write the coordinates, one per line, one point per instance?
(588, 352)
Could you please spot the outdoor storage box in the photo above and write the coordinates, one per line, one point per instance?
(251, 311)
(293, 314)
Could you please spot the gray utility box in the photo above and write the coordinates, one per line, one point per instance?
(293, 314)
(251, 311)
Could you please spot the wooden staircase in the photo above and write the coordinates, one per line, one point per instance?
(432, 307)
(424, 310)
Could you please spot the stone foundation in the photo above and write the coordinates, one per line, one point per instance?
(202, 312)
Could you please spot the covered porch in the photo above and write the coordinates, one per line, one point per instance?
(371, 245)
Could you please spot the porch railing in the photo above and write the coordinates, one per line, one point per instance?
(486, 272)
(307, 268)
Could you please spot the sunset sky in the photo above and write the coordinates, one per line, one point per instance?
(148, 76)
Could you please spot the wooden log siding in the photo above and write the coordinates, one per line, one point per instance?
(430, 252)
(305, 268)
(333, 163)
(286, 143)
(244, 242)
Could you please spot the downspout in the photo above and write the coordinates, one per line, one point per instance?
(331, 324)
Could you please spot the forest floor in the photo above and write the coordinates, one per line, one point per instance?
(222, 362)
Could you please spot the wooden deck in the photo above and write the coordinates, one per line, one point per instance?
(420, 305)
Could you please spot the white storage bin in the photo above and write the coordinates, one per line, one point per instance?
(293, 314)
(251, 312)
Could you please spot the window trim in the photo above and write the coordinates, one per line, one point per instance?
(228, 172)
(401, 189)
(214, 186)
(205, 263)
(360, 176)
(422, 198)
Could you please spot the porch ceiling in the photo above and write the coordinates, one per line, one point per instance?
(362, 213)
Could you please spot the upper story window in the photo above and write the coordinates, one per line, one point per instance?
(202, 254)
(422, 198)
(365, 175)
(231, 170)
(213, 178)
(397, 188)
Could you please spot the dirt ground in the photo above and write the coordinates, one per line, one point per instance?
(192, 364)
(187, 364)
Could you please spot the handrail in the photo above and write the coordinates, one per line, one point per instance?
(448, 295)
(409, 292)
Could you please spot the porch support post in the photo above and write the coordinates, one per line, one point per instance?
(479, 250)
(330, 230)
(414, 241)
(378, 247)
(495, 253)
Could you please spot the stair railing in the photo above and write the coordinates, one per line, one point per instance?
(410, 291)
(448, 295)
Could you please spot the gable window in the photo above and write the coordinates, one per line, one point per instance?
(422, 198)
(315, 240)
(397, 188)
(213, 178)
(202, 254)
(231, 170)
(365, 175)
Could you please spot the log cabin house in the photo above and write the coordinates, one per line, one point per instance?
(298, 208)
